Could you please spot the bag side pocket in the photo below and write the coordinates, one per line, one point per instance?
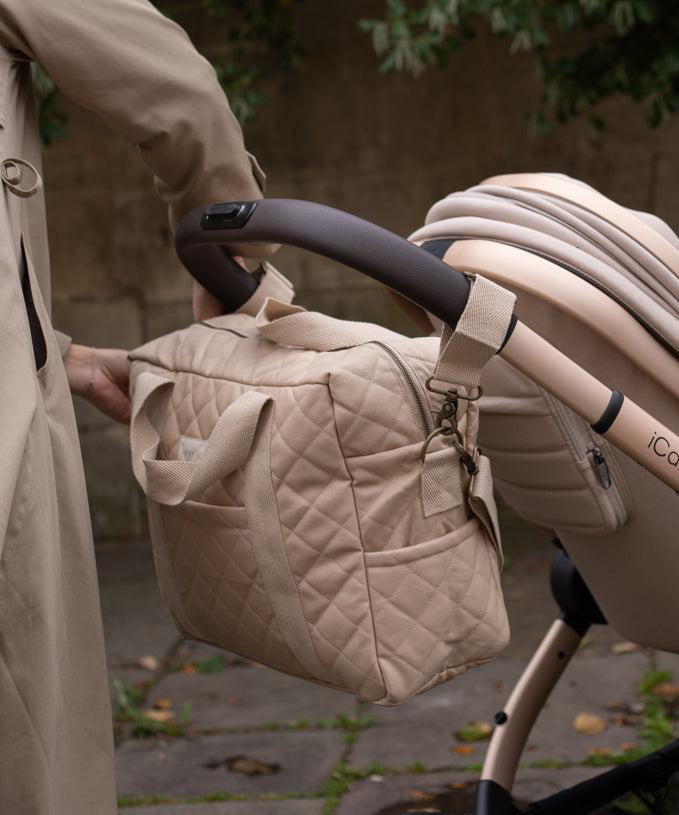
(437, 609)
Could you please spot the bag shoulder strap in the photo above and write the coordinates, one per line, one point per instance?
(478, 336)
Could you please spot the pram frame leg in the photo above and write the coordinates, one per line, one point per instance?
(515, 721)
(513, 724)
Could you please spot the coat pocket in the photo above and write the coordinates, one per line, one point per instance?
(437, 608)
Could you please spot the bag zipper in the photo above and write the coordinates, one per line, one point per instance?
(221, 328)
(407, 372)
(415, 386)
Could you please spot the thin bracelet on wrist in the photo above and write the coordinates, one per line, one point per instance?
(90, 384)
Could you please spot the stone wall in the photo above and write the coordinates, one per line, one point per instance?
(383, 147)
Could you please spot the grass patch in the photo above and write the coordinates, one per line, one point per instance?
(131, 801)
(127, 710)
(545, 764)
(341, 779)
(417, 768)
(352, 725)
(276, 727)
(657, 729)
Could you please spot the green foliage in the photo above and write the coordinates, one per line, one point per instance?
(255, 42)
(51, 120)
(585, 50)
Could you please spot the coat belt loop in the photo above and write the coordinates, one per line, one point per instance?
(12, 175)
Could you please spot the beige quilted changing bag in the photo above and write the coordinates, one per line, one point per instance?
(297, 516)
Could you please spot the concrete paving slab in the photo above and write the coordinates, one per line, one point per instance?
(136, 622)
(423, 730)
(449, 793)
(399, 793)
(287, 807)
(195, 767)
(251, 697)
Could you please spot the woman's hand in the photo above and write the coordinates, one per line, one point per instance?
(205, 306)
(102, 376)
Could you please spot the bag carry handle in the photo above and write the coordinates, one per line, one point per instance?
(239, 439)
(228, 448)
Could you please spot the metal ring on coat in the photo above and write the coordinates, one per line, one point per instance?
(12, 175)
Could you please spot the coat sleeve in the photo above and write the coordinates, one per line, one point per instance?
(139, 72)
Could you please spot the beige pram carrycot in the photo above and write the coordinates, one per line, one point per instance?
(601, 283)
(577, 407)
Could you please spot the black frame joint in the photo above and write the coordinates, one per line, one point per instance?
(604, 422)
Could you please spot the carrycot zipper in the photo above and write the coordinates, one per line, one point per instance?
(601, 466)
(415, 386)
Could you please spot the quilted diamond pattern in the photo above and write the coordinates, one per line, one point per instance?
(394, 602)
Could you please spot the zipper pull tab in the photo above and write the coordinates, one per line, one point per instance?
(602, 471)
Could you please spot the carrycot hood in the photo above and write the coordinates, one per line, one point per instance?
(632, 256)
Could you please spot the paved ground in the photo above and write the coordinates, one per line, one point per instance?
(244, 740)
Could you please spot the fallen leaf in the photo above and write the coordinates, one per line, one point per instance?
(626, 746)
(475, 731)
(419, 795)
(231, 700)
(625, 647)
(148, 663)
(463, 750)
(161, 716)
(162, 704)
(247, 766)
(624, 720)
(189, 668)
(457, 785)
(600, 751)
(617, 706)
(589, 724)
(668, 690)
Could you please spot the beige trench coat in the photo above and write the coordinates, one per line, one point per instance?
(139, 72)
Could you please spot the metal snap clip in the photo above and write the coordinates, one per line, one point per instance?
(454, 393)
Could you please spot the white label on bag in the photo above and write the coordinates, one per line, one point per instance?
(191, 449)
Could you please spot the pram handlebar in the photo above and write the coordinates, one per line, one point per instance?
(412, 272)
(425, 280)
